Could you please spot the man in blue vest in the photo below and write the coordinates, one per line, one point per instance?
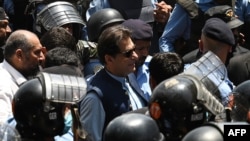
(111, 93)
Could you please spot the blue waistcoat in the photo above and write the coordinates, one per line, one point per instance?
(114, 98)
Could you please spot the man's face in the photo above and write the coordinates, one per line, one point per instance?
(124, 62)
(68, 27)
(33, 59)
(142, 50)
(4, 31)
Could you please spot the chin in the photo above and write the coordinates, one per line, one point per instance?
(131, 70)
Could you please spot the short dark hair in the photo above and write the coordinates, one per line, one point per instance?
(109, 40)
(165, 65)
(58, 36)
(61, 56)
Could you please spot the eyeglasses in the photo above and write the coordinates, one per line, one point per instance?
(128, 53)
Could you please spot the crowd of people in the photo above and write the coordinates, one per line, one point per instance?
(109, 70)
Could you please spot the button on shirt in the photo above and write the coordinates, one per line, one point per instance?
(11, 79)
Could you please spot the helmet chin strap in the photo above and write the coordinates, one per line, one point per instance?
(79, 132)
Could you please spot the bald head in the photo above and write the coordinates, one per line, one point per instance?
(21, 33)
(19, 39)
(24, 52)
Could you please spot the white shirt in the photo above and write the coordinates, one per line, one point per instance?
(10, 81)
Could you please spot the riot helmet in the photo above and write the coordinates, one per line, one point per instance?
(133, 127)
(208, 132)
(206, 70)
(243, 88)
(211, 131)
(59, 13)
(180, 104)
(241, 105)
(100, 20)
(39, 104)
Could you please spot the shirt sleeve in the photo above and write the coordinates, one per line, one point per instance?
(8, 7)
(177, 26)
(153, 2)
(92, 115)
(6, 97)
(96, 5)
(241, 9)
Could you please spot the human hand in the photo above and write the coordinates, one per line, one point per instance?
(162, 12)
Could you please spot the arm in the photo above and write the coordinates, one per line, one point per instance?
(162, 12)
(92, 115)
(6, 97)
(8, 7)
(241, 9)
(177, 26)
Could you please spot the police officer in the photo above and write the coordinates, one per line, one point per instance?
(99, 21)
(123, 128)
(227, 14)
(183, 30)
(211, 131)
(41, 105)
(242, 89)
(54, 14)
(182, 103)
(66, 15)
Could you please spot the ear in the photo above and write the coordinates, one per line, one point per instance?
(44, 50)
(152, 82)
(108, 59)
(19, 53)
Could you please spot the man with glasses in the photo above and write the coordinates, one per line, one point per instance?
(111, 93)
